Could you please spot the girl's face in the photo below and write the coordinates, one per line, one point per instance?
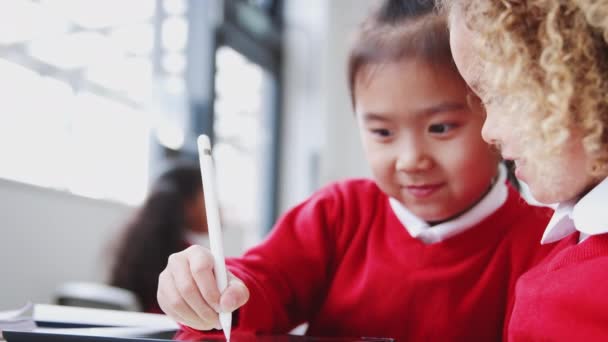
(552, 177)
(421, 139)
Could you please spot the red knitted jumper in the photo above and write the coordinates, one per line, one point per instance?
(564, 297)
(343, 262)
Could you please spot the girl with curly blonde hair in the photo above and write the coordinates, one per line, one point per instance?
(541, 69)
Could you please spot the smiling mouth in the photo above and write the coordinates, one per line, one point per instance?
(422, 191)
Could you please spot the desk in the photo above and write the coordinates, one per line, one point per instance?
(69, 320)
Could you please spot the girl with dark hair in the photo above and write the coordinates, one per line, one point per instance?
(171, 218)
(429, 250)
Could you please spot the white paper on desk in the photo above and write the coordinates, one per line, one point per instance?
(101, 317)
(26, 311)
(20, 319)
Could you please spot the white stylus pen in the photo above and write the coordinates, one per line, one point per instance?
(213, 223)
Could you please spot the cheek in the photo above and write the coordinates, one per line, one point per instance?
(380, 162)
(375, 153)
(469, 158)
(369, 146)
(560, 176)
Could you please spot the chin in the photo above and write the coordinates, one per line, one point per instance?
(432, 216)
(548, 196)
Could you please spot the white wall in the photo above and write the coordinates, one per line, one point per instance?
(320, 137)
(48, 237)
(342, 155)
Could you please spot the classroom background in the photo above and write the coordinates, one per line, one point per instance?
(98, 95)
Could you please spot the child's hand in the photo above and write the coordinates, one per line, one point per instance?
(187, 291)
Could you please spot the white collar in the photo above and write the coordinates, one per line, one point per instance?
(589, 215)
(421, 230)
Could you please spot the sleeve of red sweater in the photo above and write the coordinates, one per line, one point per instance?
(287, 275)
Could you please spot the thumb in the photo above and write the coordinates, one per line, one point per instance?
(234, 296)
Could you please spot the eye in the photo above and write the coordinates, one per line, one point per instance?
(441, 128)
(381, 132)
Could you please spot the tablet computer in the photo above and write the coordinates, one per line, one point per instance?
(20, 336)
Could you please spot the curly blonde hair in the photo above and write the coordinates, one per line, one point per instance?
(547, 60)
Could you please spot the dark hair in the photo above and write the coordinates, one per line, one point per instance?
(155, 232)
(400, 29)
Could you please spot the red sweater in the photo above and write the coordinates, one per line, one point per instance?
(564, 297)
(343, 262)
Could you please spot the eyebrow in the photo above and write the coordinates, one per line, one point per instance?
(367, 117)
(429, 111)
(442, 108)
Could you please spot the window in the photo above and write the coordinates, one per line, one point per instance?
(246, 115)
(78, 83)
(90, 87)
(240, 136)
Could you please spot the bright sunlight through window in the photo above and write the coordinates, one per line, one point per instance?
(77, 80)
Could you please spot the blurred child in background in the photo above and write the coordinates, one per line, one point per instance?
(171, 218)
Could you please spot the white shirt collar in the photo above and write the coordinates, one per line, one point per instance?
(421, 230)
(589, 215)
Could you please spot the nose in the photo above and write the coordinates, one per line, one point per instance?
(489, 131)
(412, 158)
